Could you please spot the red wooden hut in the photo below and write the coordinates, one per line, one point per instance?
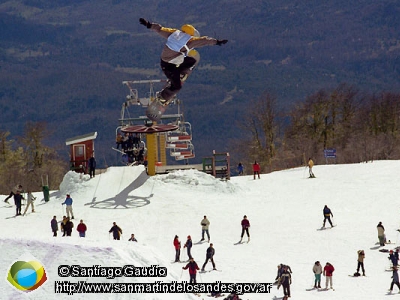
(81, 149)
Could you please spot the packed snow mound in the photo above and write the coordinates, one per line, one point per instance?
(194, 179)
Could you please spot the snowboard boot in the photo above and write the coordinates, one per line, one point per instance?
(319, 285)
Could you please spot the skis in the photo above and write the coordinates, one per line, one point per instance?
(204, 271)
(324, 228)
(325, 289)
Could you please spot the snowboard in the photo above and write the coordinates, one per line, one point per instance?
(156, 109)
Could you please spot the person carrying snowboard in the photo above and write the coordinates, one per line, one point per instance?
(327, 215)
(193, 267)
(175, 62)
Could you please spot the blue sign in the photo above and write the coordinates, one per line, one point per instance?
(330, 153)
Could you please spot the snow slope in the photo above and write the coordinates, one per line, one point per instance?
(284, 209)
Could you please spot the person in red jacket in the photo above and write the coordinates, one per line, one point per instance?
(245, 228)
(193, 267)
(177, 245)
(256, 170)
(81, 228)
(328, 272)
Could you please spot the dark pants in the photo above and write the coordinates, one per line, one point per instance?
(18, 207)
(55, 233)
(247, 232)
(394, 283)
(212, 261)
(188, 253)
(360, 264)
(329, 220)
(202, 234)
(286, 290)
(9, 196)
(256, 173)
(192, 278)
(177, 254)
(92, 172)
(173, 73)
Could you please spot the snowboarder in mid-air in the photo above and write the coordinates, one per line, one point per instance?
(177, 60)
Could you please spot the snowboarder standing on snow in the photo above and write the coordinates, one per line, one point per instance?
(256, 170)
(360, 261)
(245, 228)
(328, 272)
(395, 279)
(188, 245)
(175, 62)
(381, 234)
(327, 215)
(310, 166)
(54, 225)
(204, 228)
(177, 245)
(317, 269)
(209, 256)
(193, 267)
(285, 280)
(116, 230)
(68, 202)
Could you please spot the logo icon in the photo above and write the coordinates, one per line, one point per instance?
(26, 276)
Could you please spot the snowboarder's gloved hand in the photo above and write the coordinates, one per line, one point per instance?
(220, 42)
(144, 22)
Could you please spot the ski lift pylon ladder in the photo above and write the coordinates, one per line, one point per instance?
(180, 142)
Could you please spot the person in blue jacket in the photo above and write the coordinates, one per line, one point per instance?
(68, 202)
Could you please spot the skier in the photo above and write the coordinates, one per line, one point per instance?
(209, 256)
(327, 215)
(245, 227)
(317, 269)
(193, 267)
(328, 272)
(30, 202)
(360, 262)
(68, 202)
(16, 189)
(395, 280)
(285, 280)
(204, 228)
(17, 201)
(310, 166)
(394, 258)
(256, 170)
(175, 62)
(54, 225)
(280, 271)
(81, 228)
(177, 245)
(132, 239)
(381, 234)
(116, 230)
(188, 245)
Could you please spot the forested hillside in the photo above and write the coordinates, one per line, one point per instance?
(63, 62)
